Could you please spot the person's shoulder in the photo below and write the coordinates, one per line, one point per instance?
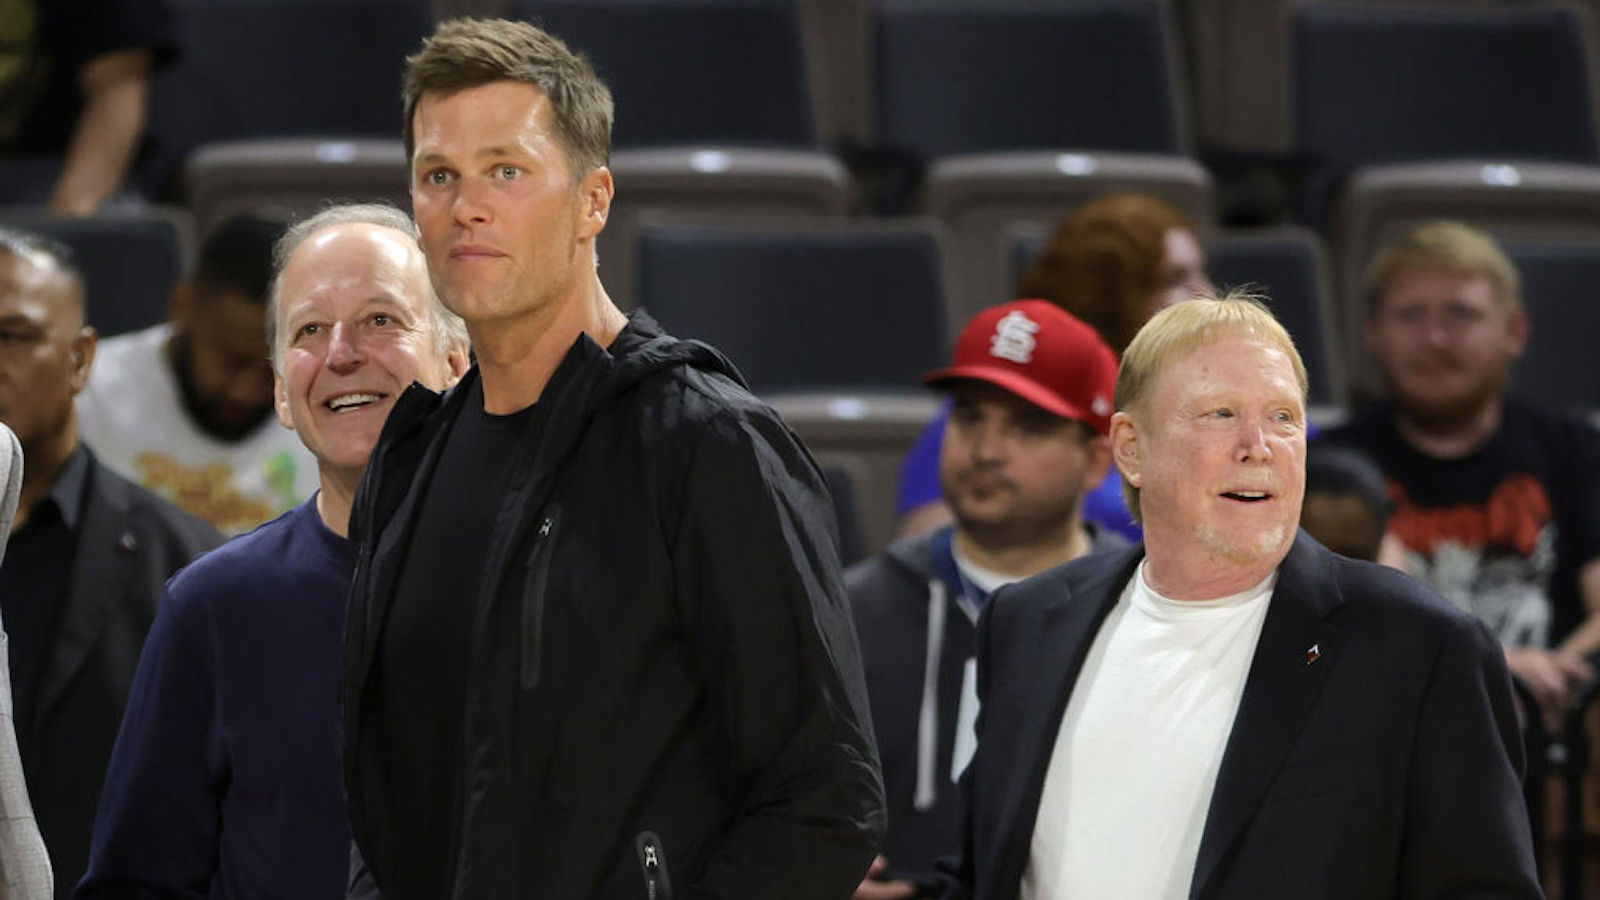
(879, 586)
(246, 564)
(1523, 418)
(1392, 603)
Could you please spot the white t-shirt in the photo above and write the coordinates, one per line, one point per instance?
(131, 414)
(1136, 758)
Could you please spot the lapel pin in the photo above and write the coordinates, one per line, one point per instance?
(1313, 654)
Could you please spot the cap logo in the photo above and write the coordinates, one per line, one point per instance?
(1013, 338)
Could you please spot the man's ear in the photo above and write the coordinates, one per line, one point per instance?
(1125, 448)
(594, 201)
(456, 363)
(82, 349)
(280, 401)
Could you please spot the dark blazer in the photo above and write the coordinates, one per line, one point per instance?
(129, 542)
(1384, 764)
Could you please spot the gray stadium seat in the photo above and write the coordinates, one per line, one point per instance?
(712, 184)
(983, 198)
(1559, 280)
(1379, 85)
(1533, 201)
(838, 308)
(293, 177)
(130, 261)
(285, 68)
(975, 76)
(727, 72)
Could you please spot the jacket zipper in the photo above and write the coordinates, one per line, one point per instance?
(533, 591)
(653, 862)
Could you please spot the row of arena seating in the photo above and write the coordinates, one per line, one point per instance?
(807, 305)
(1011, 112)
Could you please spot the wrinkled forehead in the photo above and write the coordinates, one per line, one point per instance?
(356, 260)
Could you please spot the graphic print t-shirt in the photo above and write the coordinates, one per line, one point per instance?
(1503, 531)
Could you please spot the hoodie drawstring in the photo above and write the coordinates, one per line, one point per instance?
(928, 719)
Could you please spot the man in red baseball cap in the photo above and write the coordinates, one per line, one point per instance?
(1031, 392)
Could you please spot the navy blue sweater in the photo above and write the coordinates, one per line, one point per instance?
(225, 781)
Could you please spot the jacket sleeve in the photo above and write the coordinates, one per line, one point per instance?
(156, 831)
(1467, 829)
(757, 576)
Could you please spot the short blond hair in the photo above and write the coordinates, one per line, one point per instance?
(1183, 328)
(1449, 245)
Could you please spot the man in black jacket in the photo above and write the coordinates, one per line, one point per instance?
(597, 644)
(1229, 711)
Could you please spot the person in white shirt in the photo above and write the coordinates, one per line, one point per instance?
(1230, 710)
(185, 408)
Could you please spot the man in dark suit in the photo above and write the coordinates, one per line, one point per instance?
(89, 553)
(1231, 711)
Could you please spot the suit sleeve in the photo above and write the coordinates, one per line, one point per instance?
(1467, 831)
(758, 577)
(156, 831)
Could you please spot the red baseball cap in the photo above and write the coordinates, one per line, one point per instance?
(1041, 353)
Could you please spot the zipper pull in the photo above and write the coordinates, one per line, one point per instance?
(658, 886)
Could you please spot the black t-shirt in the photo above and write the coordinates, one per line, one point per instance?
(424, 652)
(1503, 531)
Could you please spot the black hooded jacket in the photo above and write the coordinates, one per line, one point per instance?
(673, 706)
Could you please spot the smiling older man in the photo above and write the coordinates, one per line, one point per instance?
(1229, 710)
(225, 780)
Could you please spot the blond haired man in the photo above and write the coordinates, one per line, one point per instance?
(1230, 710)
(1496, 500)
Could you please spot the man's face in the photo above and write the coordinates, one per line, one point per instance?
(1217, 449)
(1444, 343)
(1183, 271)
(354, 322)
(505, 230)
(1014, 473)
(45, 350)
(227, 375)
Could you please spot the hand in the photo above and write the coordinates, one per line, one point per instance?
(873, 889)
(1553, 677)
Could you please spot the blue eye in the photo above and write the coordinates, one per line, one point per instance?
(507, 173)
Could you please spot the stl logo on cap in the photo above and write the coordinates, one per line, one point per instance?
(1013, 338)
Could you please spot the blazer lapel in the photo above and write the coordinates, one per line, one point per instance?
(102, 565)
(1066, 630)
(1280, 693)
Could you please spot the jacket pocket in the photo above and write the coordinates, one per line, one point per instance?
(653, 864)
(533, 591)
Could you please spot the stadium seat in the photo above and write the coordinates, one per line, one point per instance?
(1376, 84)
(803, 308)
(284, 68)
(130, 261)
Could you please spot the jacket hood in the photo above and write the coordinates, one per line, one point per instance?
(642, 349)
